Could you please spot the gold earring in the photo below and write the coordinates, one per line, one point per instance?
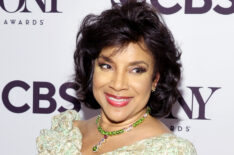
(153, 90)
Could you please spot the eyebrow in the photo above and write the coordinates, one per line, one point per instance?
(108, 59)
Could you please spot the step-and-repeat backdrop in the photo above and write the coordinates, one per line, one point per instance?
(37, 41)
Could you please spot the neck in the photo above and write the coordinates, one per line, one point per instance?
(109, 125)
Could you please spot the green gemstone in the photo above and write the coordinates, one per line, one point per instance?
(114, 132)
(95, 148)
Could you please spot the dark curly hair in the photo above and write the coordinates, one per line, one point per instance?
(118, 26)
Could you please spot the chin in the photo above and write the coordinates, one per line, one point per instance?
(116, 114)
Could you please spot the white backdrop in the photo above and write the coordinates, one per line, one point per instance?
(36, 57)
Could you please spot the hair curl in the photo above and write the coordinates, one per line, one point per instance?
(118, 26)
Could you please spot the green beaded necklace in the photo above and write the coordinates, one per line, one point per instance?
(112, 133)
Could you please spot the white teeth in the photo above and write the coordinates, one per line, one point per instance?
(118, 100)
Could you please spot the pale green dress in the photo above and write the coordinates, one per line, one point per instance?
(64, 139)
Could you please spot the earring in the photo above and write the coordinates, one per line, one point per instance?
(153, 90)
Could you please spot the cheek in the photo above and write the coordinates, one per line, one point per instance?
(142, 86)
(97, 81)
(100, 80)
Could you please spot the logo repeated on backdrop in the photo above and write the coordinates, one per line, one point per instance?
(196, 94)
(22, 6)
(189, 8)
(37, 105)
(199, 110)
(37, 97)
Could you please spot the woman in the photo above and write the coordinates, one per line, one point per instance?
(127, 64)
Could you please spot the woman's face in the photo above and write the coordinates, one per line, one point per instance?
(122, 81)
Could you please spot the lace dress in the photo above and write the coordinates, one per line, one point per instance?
(64, 139)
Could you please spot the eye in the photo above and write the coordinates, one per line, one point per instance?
(104, 66)
(139, 70)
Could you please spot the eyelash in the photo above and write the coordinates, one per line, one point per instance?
(139, 70)
(101, 65)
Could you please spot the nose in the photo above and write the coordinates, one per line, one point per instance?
(119, 81)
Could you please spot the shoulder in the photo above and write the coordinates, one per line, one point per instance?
(172, 144)
(62, 137)
(64, 120)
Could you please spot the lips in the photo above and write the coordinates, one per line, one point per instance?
(117, 101)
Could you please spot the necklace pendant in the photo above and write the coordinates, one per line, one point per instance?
(95, 147)
(105, 136)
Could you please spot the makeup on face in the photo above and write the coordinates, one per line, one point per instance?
(122, 81)
(117, 101)
(137, 67)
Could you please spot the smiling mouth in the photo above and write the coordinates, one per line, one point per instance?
(117, 101)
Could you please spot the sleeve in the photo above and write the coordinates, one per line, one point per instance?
(62, 138)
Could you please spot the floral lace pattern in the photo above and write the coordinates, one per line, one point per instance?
(64, 139)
